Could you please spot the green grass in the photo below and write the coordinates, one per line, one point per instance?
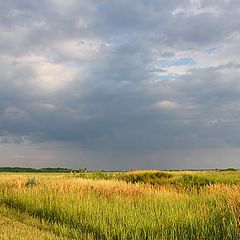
(154, 177)
(15, 225)
(158, 205)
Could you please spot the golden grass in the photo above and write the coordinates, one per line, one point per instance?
(111, 209)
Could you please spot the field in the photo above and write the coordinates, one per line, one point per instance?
(125, 205)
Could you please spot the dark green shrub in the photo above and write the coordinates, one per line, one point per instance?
(146, 177)
(229, 169)
(191, 181)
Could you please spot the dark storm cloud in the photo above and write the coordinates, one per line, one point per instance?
(89, 74)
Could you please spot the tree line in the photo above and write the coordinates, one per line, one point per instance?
(40, 170)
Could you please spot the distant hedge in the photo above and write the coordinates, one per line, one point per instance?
(41, 170)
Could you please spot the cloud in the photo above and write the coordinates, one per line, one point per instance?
(45, 158)
(168, 105)
(18, 157)
(118, 81)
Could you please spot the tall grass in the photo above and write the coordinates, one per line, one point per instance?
(101, 209)
(155, 177)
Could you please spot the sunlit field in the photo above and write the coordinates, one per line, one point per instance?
(129, 205)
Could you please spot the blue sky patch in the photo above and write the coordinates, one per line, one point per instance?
(211, 50)
(177, 62)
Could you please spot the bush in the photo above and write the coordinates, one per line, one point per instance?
(229, 169)
(191, 181)
(31, 182)
(146, 177)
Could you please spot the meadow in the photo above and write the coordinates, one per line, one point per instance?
(122, 205)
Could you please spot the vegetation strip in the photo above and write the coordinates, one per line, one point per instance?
(80, 208)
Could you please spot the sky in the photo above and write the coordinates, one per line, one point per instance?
(119, 84)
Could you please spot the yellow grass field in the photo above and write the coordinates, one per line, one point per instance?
(205, 205)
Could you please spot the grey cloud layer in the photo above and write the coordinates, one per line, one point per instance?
(90, 73)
